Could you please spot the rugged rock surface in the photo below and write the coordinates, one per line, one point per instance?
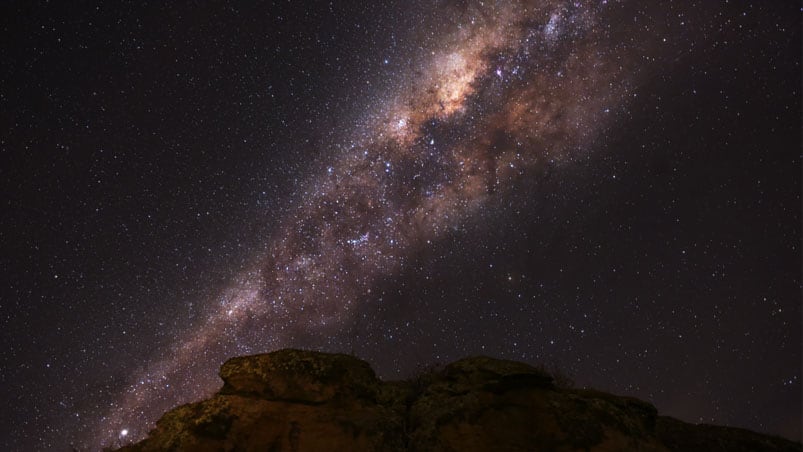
(293, 400)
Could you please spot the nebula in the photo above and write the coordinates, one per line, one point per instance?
(498, 93)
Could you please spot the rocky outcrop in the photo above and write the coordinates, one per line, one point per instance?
(293, 400)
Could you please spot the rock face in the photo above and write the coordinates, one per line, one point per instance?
(293, 400)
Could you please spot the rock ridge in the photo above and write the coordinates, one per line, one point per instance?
(296, 400)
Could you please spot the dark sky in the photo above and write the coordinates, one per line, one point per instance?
(610, 188)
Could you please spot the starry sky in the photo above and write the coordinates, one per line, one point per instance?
(610, 188)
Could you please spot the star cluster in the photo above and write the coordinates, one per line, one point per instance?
(549, 181)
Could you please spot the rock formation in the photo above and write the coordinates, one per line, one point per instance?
(293, 400)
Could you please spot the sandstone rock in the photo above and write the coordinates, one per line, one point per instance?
(293, 400)
(301, 377)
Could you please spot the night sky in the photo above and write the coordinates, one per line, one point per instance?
(611, 188)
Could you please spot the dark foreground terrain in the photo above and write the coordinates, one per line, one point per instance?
(293, 400)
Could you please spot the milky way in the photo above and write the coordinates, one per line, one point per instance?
(504, 91)
(499, 93)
